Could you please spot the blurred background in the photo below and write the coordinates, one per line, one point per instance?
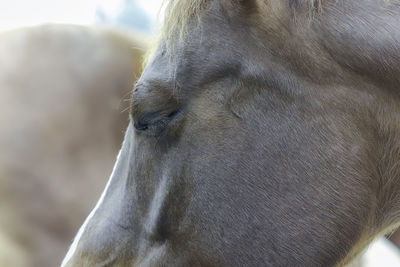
(66, 71)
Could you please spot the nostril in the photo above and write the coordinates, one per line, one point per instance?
(141, 126)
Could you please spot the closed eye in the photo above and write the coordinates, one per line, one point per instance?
(173, 113)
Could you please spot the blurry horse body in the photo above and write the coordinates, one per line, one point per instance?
(61, 123)
(263, 133)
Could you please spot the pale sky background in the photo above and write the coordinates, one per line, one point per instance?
(17, 13)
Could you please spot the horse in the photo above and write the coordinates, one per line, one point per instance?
(262, 133)
(62, 90)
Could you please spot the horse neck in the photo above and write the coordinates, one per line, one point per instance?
(361, 69)
(388, 167)
(369, 53)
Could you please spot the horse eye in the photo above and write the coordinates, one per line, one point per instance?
(173, 113)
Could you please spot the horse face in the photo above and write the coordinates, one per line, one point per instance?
(228, 160)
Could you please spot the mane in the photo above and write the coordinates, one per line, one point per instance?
(179, 12)
(176, 16)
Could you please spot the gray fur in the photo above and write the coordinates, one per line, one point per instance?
(283, 150)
